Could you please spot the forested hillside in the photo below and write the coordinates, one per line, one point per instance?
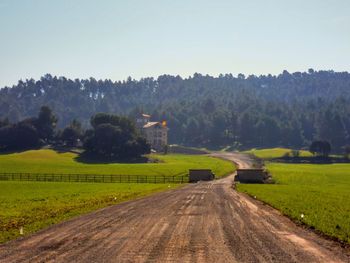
(290, 109)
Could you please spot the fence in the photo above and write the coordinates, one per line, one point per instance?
(91, 178)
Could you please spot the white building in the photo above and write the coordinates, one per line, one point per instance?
(156, 133)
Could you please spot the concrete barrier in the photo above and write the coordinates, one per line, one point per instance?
(196, 175)
(251, 175)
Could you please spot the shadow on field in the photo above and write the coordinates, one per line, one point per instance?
(88, 158)
(65, 149)
(5, 152)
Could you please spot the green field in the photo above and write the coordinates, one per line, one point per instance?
(34, 205)
(49, 161)
(319, 192)
(275, 153)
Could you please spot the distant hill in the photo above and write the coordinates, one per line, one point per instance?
(288, 110)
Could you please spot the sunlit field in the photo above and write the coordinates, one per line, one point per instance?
(275, 153)
(34, 205)
(317, 195)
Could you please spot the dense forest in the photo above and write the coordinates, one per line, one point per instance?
(291, 109)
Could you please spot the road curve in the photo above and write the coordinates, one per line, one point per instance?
(203, 222)
(242, 161)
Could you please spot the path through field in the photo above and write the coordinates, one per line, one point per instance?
(203, 222)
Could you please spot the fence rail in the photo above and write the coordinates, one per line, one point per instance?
(94, 178)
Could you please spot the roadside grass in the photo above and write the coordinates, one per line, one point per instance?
(35, 205)
(313, 194)
(49, 161)
(272, 153)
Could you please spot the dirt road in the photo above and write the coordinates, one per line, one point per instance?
(243, 161)
(203, 222)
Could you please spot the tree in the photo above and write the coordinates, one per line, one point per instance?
(114, 137)
(330, 126)
(5, 137)
(25, 136)
(18, 136)
(208, 106)
(104, 118)
(72, 134)
(75, 124)
(192, 131)
(241, 76)
(247, 130)
(300, 107)
(28, 133)
(322, 148)
(46, 123)
(268, 131)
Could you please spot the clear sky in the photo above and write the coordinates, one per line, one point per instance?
(120, 38)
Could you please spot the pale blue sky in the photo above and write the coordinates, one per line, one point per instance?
(117, 39)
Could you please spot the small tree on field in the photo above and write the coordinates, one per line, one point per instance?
(18, 136)
(114, 137)
(321, 148)
(72, 134)
(45, 123)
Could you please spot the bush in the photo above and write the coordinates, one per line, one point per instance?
(19, 136)
(114, 137)
(322, 148)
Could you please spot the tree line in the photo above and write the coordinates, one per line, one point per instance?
(289, 110)
(110, 137)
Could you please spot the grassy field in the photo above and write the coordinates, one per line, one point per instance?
(49, 161)
(275, 153)
(317, 195)
(34, 205)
